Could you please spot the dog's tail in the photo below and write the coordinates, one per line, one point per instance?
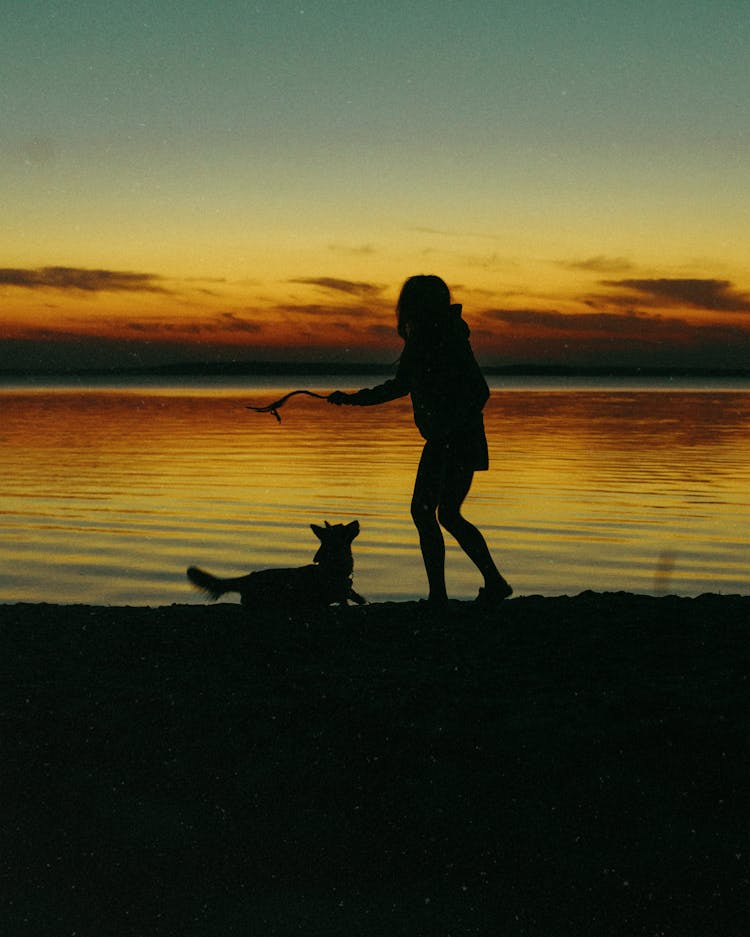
(211, 585)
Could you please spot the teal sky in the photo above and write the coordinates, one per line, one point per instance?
(271, 142)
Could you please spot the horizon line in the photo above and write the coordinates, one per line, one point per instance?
(264, 368)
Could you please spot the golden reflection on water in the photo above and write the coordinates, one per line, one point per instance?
(109, 495)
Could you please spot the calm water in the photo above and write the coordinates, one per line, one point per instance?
(110, 493)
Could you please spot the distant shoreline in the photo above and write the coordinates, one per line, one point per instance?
(308, 368)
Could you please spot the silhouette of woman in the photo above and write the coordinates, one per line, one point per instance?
(448, 392)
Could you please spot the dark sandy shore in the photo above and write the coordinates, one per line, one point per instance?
(558, 766)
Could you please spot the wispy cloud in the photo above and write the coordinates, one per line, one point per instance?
(80, 278)
(599, 264)
(350, 287)
(221, 324)
(440, 232)
(231, 322)
(312, 310)
(360, 250)
(708, 294)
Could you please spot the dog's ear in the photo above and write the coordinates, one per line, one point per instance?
(352, 530)
(318, 531)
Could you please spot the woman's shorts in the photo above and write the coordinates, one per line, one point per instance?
(466, 448)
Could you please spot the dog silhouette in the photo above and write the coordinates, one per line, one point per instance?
(326, 581)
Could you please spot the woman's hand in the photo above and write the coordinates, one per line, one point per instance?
(339, 397)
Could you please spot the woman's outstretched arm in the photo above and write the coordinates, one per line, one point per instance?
(370, 396)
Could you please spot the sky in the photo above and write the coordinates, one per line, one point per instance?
(225, 180)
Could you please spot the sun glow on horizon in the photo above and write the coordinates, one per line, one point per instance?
(587, 311)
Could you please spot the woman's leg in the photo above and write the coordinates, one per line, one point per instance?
(427, 490)
(456, 484)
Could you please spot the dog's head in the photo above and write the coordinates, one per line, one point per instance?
(335, 540)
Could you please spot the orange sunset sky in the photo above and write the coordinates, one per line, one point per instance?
(237, 181)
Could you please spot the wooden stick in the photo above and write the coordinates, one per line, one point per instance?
(274, 407)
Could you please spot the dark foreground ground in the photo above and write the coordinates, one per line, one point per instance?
(566, 766)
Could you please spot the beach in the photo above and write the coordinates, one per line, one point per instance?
(570, 765)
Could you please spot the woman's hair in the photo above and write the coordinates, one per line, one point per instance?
(422, 305)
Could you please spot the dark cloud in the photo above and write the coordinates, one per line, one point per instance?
(594, 328)
(614, 338)
(78, 278)
(589, 322)
(350, 287)
(616, 327)
(709, 294)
